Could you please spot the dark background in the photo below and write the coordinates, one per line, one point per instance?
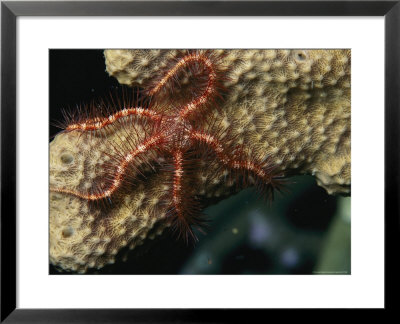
(76, 76)
(296, 234)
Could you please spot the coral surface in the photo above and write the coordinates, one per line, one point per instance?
(290, 108)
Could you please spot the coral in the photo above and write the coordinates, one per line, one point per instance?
(293, 105)
(292, 108)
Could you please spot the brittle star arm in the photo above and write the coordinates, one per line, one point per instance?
(233, 163)
(186, 209)
(99, 123)
(150, 144)
(177, 182)
(185, 62)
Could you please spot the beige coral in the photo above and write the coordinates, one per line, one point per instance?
(292, 106)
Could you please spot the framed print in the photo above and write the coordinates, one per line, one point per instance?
(134, 132)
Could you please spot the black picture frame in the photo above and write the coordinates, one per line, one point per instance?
(10, 10)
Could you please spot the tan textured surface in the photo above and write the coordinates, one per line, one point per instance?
(293, 106)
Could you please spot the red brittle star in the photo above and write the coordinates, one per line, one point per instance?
(176, 134)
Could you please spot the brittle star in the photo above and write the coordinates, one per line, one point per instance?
(176, 134)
